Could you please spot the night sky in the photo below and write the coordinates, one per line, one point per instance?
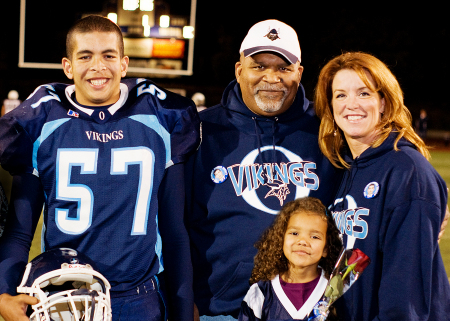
(413, 41)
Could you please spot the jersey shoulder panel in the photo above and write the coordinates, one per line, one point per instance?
(175, 115)
(20, 128)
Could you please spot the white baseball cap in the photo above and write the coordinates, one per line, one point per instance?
(272, 35)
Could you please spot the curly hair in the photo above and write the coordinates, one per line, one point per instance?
(270, 259)
(396, 117)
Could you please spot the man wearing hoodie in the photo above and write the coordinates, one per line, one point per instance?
(263, 137)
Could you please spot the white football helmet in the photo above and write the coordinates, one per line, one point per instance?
(68, 287)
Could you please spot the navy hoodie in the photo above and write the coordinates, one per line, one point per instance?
(397, 226)
(247, 167)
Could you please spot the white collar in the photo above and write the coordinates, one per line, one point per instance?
(307, 307)
(112, 109)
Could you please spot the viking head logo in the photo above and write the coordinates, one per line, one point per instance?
(273, 34)
(278, 189)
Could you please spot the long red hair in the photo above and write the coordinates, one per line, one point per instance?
(396, 117)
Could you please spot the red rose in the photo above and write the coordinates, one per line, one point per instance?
(361, 260)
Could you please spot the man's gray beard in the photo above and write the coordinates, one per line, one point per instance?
(268, 105)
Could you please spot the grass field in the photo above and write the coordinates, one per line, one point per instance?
(439, 159)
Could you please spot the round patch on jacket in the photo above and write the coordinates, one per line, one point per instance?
(320, 311)
(219, 174)
(371, 190)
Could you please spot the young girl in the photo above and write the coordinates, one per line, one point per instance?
(295, 257)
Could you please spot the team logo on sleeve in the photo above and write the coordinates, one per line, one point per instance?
(371, 190)
(219, 174)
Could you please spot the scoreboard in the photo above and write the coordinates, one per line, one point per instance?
(158, 36)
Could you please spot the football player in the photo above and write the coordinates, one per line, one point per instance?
(104, 156)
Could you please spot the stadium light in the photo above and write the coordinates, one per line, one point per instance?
(188, 32)
(113, 17)
(146, 31)
(146, 5)
(130, 5)
(145, 20)
(164, 21)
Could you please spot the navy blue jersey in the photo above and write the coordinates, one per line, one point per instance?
(101, 169)
(266, 301)
(390, 206)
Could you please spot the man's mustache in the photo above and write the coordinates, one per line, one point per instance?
(270, 87)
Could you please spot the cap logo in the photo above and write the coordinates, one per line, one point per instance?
(273, 34)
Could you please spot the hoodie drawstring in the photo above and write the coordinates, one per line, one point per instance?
(273, 136)
(258, 134)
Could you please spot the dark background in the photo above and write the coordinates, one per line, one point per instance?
(412, 40)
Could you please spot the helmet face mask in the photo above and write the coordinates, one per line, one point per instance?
(67, 286)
